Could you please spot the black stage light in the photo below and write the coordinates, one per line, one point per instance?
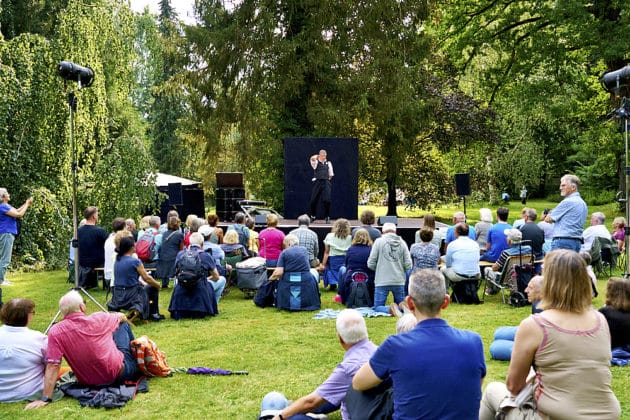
(613, 81)
(76, 73)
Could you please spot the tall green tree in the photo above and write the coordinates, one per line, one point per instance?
(537, 64)
(268, 70)
(35, 141)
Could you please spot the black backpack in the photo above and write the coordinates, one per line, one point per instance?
(359, 296)
(189, 269)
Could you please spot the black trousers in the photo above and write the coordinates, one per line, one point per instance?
(321, 191)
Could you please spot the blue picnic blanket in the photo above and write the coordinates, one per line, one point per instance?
(332, 313)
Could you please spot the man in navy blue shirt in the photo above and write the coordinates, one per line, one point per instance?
(437, 370)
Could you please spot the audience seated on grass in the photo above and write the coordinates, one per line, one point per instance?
(171, 242)
(355, 268)
(216, 237)
(198, 287)
(425, 254)
(568, 345)
(294, 259)
(330, 395)
(617, 311)
(336, 245)
(428, 221)
(22, 352)
(297, 285)
(270, 241)
(501, 347)
(134, 289)
(515, 248)
(430, 377)
(390, 260)
(482, 227)
(95, 346)
(495, 238)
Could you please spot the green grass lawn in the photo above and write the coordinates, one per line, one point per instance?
(287, 352)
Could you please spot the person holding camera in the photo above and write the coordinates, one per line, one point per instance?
(8, 230)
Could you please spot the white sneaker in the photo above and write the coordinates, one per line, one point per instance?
(317, 416)
(6, 283)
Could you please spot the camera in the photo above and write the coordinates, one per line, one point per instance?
(71, 71)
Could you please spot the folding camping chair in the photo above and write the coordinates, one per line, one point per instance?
(512, 277)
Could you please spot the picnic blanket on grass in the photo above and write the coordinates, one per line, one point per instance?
(332, 313)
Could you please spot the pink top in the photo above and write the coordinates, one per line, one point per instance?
(87, 344)
(270, 243)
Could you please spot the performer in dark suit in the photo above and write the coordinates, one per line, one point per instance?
(323, 173)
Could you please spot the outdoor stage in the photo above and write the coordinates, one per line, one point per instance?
(406, 228)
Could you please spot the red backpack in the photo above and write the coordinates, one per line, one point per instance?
(145, 247)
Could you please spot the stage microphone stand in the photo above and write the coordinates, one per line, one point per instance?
(72, 107)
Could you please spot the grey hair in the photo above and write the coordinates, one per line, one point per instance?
(304, 220)
(571, 179)
(70, 302)
(351, 326)
(290, 240)
(196, 223)
(531, 214)
(459, 216)
(155, 221)
(427, 289)
(3, 193)
(485, 214)
(600, 216)
(196, 238)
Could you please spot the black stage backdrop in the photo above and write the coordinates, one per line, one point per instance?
(343, 153)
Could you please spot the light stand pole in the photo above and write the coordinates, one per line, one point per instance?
(613, 82)
(624, 112)
(72, 108)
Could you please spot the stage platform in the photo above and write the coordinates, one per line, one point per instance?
(405, 227)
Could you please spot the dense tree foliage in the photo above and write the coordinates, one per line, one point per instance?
(537, 64)
(113, 166)
(264, 71)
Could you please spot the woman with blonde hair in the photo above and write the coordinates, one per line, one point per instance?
(618, 233)
(270, 241)
(568, 346)
(336, 245)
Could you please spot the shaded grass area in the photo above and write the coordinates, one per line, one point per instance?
(287, 352)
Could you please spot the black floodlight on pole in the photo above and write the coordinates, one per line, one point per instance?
(84, 76)
(613, 82)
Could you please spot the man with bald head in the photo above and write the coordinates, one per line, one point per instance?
(322, 175)
(96, 347)
(459, 217)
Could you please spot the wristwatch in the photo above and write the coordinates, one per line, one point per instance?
(45, 399)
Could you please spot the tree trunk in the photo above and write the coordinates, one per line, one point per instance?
(391, 197)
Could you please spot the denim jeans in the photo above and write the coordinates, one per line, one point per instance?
(381, 293)
(572, 244)
(122, 337)
(218, 287)
(6, 247)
